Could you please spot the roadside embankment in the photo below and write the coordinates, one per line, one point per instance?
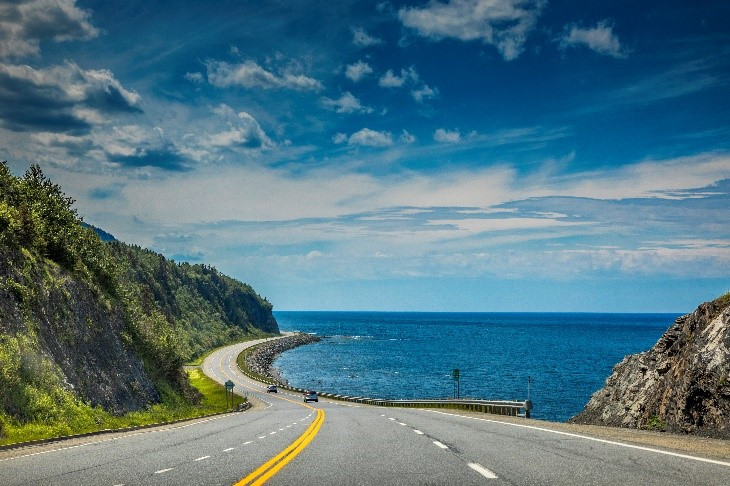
(261, 358)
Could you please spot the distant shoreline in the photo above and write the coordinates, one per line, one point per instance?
(261, 360)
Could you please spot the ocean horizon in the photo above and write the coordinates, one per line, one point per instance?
(565, 356)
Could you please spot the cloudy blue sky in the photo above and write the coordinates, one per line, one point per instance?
(436, 155)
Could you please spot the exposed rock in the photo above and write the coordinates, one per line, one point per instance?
(682, 384)
(260, 361)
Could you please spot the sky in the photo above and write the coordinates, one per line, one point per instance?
(430, 155)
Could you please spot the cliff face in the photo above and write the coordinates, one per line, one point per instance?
(64, 336)
(682, 384)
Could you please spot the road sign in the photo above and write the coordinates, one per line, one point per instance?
(455, 374)
(229, 385)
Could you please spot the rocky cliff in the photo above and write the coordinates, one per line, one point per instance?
(682, 384)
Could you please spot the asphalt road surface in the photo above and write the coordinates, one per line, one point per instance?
(283, 441)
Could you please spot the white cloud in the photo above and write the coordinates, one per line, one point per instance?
(424, 93)
(504, 24)
(249, 74)
(196, 77)
(339, 138)
(371, 138)
(24, 24)
(444, 136)
(357, 71)
(599, 38)
(244, 132)
(362, 39)
(347, 103)
(390, 80)
(406, 137)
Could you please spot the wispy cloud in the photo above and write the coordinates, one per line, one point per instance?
(504, 24)
(371, 138)
(249, 74)
(355, 72)
(244, 132)
(390, 80)
(424, 93)
(441, 135)
(362, 39)
(600, 39)
(347, 103)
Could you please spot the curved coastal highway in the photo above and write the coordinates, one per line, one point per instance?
(283, 441)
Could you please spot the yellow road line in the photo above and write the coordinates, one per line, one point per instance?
(267, 470)
(274, 465)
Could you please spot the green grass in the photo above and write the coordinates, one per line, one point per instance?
(81, 418)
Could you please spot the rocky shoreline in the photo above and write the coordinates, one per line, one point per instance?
(261, 360)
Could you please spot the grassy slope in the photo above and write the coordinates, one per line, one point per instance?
(83, 418)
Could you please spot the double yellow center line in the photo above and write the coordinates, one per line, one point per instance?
(273, 465)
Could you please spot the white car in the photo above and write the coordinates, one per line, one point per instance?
(310, 396)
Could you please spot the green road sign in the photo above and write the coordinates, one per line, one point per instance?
(455, 374)
(229, 385)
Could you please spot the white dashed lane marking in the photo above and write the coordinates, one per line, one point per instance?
(202, 458)
(164, 470)
(482, 470)
(418, 431)
(229, 449)
(439, 444)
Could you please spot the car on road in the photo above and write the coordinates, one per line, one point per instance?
(310, 396)
(272, 389)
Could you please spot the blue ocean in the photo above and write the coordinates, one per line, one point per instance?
(566, 357)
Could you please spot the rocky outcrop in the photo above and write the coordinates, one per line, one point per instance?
(261, 359)
(682, 384)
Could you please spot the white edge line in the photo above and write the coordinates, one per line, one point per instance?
(482, 470)
(605, 441)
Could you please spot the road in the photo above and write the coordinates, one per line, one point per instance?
(342, 443)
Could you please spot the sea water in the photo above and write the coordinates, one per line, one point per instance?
(565, 357)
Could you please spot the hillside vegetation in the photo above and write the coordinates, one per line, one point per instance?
(90, 329)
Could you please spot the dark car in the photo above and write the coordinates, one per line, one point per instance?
(272, 389)
(310, 396)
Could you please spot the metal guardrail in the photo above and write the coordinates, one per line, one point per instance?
(498, 407)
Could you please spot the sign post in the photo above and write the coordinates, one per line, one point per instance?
(229, 389)
(456, 375)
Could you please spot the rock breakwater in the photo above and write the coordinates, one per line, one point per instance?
(682, 384)
(261, 359)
